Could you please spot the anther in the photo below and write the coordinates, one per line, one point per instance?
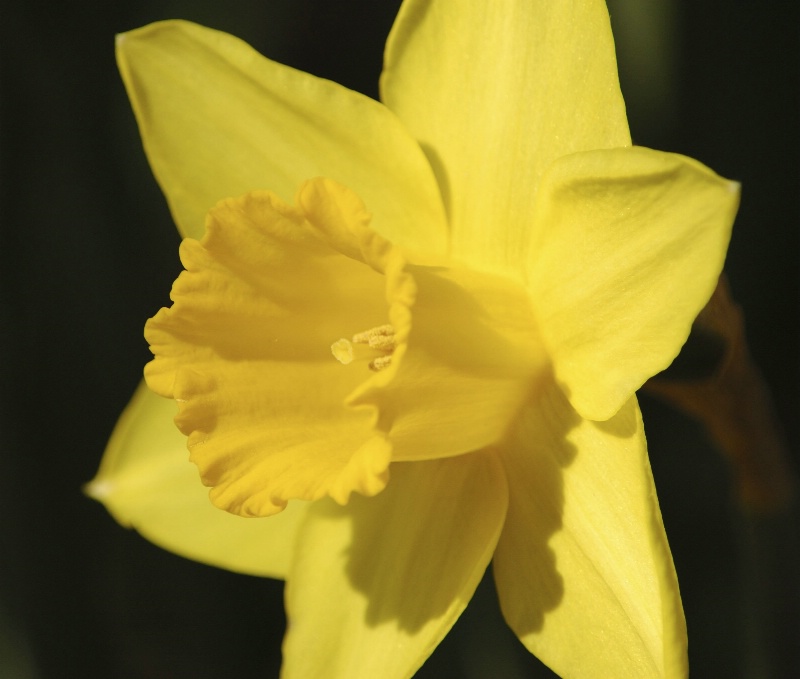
(381, 338)
(378, 364)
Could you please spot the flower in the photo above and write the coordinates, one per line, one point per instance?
(512, 269)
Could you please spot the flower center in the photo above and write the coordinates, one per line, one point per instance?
(381, 338)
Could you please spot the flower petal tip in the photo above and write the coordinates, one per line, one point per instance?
(97, 489)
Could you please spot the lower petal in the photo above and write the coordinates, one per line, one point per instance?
(147, 482)
(583, 568)
(376, 585)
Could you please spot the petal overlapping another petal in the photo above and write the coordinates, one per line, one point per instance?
(218, 120)
(376, 585)
(245, 350)
(583, 568)
(147, 482)
(630, 244)
(495, 92)
(472, 358)
(466, 351)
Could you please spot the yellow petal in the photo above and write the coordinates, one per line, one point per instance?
(219, 120)
(472, 357)
(147, 482)
(630, 243)
(464, 348)
(494, 92)
(583, 568)
(245, 350)
(377, 584)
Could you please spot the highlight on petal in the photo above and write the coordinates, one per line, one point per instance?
(495, 92)
(583, 568)
(147, 483)
(630, 244)
(245, 350)
(376, 585)
(218, 120)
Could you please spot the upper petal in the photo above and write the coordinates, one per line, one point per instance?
(377, 584)
(147, 482)
(583, 568)
(494, 92)
(630, 245)
(218, 120)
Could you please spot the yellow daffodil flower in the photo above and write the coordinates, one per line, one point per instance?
(409, 335)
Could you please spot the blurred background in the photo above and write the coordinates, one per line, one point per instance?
(89, 252)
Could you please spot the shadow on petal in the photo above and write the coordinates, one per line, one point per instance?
(535, 456)
(599, 598)
(378, 583)
(440, 171)
(623, 425)
(420, 548)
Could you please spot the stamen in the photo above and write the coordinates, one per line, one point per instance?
(378, 364)
(381, 338)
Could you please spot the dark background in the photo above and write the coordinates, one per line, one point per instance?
(89, 252)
